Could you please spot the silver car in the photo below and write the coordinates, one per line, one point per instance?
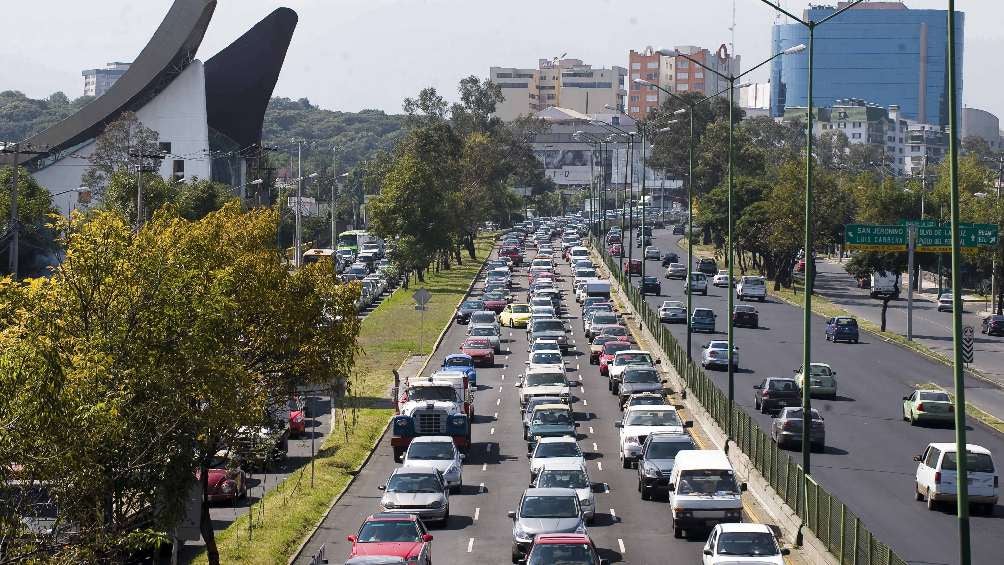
(489, 332)
(417, 490)
(544, 511)
(441, 454)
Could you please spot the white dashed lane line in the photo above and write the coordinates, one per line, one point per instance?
(498, 401)
(594, 447)
(599, 465)
(491, 433)
(470, 545)
(620, 545)
(613, 513)
(477, 514)
(481, 488)
(590, 429)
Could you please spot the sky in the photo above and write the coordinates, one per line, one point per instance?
(354, 54)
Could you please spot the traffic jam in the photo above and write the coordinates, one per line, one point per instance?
(543, 430)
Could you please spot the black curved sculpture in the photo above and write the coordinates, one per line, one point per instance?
(240, 79)
(169, 51)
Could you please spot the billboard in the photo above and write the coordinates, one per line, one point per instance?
(569, 166)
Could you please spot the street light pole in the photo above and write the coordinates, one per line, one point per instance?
(297, 214)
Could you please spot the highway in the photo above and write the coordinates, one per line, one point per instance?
(868, 459)
(495, 474)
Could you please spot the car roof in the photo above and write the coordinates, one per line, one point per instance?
(745, 527)
(551, 539)
(970, 447)
(432, 439)
(626, 351)
(701, 459)
(562, 439)
(550, 491)
(563, 466)
(464, 356)
(416, 470)
(671, 437)
(650, 407)
(553, 406)
(391, 517)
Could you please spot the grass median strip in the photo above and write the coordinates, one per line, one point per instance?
(389, 335)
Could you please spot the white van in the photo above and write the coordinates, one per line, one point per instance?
(595, 287)
(703, 491)
(752, 288)
(937, 476)
(577, 253)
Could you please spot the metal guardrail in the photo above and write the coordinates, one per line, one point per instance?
(843, 533)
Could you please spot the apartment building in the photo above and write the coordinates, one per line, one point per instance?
(566, 83)
(675, 73)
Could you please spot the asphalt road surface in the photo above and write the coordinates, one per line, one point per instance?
(496, 470)
(868, 458)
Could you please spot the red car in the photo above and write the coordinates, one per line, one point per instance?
(632, 267)
(571, 549)
(393, 535)
(495, 303)
(610, 349)
(227, 481)
(616, 250)
(297, 417)
(480, 350)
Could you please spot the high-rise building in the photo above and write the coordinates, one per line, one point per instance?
(676, 74)
(883, 52)
(98, 81)
(568, 83)
(984, 125)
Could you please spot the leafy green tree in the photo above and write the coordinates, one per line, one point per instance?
(125, 145)
(37, 249)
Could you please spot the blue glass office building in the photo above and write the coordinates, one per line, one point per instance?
(880, 52)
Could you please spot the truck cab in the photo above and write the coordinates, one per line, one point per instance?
(432, 407)
(703, 491)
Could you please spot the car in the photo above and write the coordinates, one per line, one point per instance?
(599, 320)
(786, 429)
(227, 480)
(639, 422)
(616, 250)
(638, 379)
(542, 310)
(467, 308)
(822, 381)
(439, 453)
(544, 381)
(697, 282)
(596, 347)
(751, 288)
(632, 267)
(618, 331)
(721, 279)
(937, 476)
(716, 354)
(569, 475)
(610, 349)
(703, 320)
(297, 416)
(568, 549)
(655, 464)
(679, 229)
(652, 252)
(563, 449)
(461, 362)
(744, 542)
(480, 349)
(623, 360)
(548, 420)
(417, 490)
(945, 302)
(494, 301)
(673, 312)
(551, 329)
(491, 333)
(927, 405)
(484, 318)
(544, 511)
(670, 258)
(644, 399)
(527, 410)
(707, 266)
(745, 317)
(651, 285)
(676, 271)
(393, 535)
(545, 359)
(544, 345)
(842, 328)
(773, 394)
(993, 325)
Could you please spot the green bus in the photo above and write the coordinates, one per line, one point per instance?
(352, 240)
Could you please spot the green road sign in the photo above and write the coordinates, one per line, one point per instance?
(971, 236)
(868, 237)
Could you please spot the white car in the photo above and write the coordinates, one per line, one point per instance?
(639, 422)
(652, 252)
(698, 282)
(624, 359)
(547, 381)
(559, 474)
(721, 279)
(676, 271)
(673, 311)
(945, 302)
(752, 288)
(440, 453)
(555, 450)
(489, 332)
(734, 543)
(937, 477)
(547, 359)
(716, 354)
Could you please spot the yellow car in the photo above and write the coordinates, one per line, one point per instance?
(515, 315)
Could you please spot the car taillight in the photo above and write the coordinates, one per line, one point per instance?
(937, 477)
(766, 395)
(920, 407)
(788, 425)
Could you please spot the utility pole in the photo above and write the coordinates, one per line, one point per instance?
(140, 169)
(14, 231)
(297, 243)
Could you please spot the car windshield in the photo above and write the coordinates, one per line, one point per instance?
(483, 318)
(745, 309)
(561, 554)
(562, 479)
(652, 418)
(614, 347)
(472, 305)
(633, 359)
(413, 482)
(423, 393)
(641, 376)
(704, 314)
(667, 449)
(439, 450)
(483, 330)
(546, 358)
(548, 326)
(620, 331)
(646, 401)
(975, 462)
(459, 362)
(603, 339)
(546, 379)
(600, 318)
(549, 507)
(784, 386)
(389, 531)
(476, 344)
(557, 449)
(650, 280)
(552, 417)
(747, 544)
(796, 414)
(520, 309)
(933, 396)
(849, 322)
(707, 483)
(820, 370)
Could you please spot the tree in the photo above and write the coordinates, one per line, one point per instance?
(125, 145)
(37, 249)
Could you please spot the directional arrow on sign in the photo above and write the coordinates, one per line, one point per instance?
(967, 344)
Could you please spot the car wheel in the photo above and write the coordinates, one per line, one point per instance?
(645, 495)
(931, 503)
(677, 532)
(515, 555)
(625, 462)
(916, 493)
(913, 421)
(705, 293)
(906, 418)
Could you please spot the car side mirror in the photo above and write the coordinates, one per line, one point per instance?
(688, 423)
(658, 361)
(785, 551)
(618, 425)
(906, 398)
(511, 514)
(917, 458)
(352, 539)
(743, 487)
(708, 552)
(671, 487)
(758, 387)
(382, 487)
(527, 362)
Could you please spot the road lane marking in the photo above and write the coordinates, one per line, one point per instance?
(470, 545)
(477, 514)
(484, 466)
(613, 513)
(492, 432)
(594, 447)
(590, 429)
(496, 416)
(585, 402)
(503, 377)
(620, 545)
(488, 448)
(481, 488)
(599, 465)
(498, 401)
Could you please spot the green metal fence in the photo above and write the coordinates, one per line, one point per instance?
(843, 533)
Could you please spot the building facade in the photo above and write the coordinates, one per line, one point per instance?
(882, 52)
(984, 125)
(98, 81)
(675, 73)
(566, 83)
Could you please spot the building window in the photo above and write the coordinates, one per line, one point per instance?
(901, 151)
(682, 87)
(635, 109)
(682, 76)
(855, 136)
(699, 86)
(518, 85)
(635, 76)
(634, 98)
(914, 149)
(550, 97)
(652, 65)
(842, 125)
(698, 74)
(683, 63)
(635, 65)
(165, 147)
(856, 124)
(652, 76)
(178, 171)
(503, 75)
(652, 98)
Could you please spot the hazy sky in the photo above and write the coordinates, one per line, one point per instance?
(355, 54)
